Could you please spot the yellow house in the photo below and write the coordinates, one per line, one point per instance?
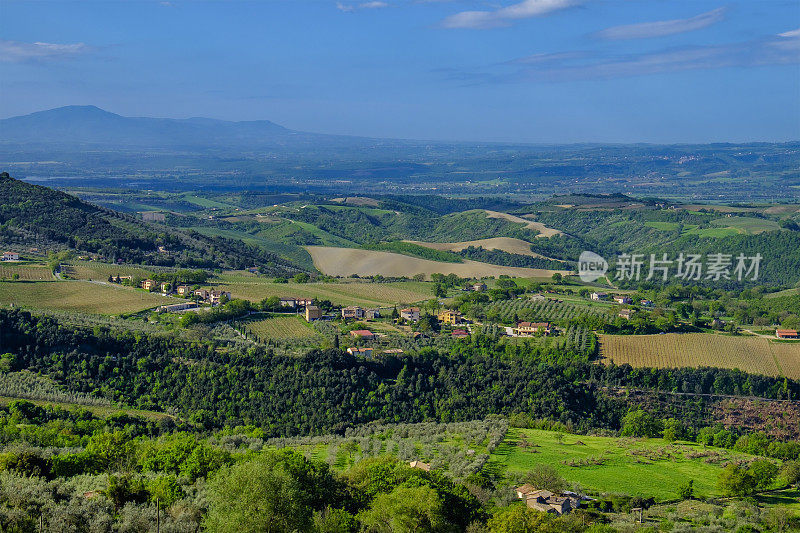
(449, 317)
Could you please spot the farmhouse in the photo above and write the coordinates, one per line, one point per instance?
(597, 296)
(479, 287)
(362, 334)
(288, 302)
(449, 317)
(183, 290)
(303, 302)
(626, 313)
(528, 329)
(352, 312)
(165, 287)
(148, 284)
(10, 256)
(647, 303)
(545, 501)
(622, 299)
(372, 314)
(787, 334)
(410, 313)
(313, 313)
(363, 352)
(393, 351)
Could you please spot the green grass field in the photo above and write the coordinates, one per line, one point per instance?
(747, 225)
(356, 293)
(78, 296)
(282, 328)
(644, 467)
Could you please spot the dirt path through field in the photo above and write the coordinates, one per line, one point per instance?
(544, 231)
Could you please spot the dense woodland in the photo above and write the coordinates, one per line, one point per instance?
(328, 390)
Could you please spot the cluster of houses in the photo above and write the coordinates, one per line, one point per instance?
(10, 256)
(546, 501)
(212, 296)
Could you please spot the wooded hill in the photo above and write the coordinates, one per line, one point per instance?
(50, 220)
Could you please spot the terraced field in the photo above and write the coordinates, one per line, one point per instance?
(349, 293)
(26, 272)
(79, 296)
(756, 355)
(347, 261)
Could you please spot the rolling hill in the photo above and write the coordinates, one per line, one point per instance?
(50, 220)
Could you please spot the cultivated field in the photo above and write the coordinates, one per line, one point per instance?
(283, 328)
(101, 271)
(26, 272)
(253, 288)
(756, 355)
(346, 261)
(79, 296)
(505, 244)
(543, 230)
(641, 467)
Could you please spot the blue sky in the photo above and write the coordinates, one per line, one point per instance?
(547, 71)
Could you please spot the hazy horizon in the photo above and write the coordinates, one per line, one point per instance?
(531, 71)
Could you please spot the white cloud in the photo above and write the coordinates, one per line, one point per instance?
(663, 28)
(781, 49)
(349, 8)
(20, 52)
(790, 34)
(504, 16)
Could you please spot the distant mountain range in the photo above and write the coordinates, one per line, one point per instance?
(89, 125)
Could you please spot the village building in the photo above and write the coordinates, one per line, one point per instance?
(353, 312)
(410, 313)
(288, 302)
(647, 303)
(216, 297)
(787, 334)
(202, 294)
(479, 287)
(626, 313)
(165, 287)
(597, 296)
(313, 313)
(148, 284)
(372, 314)
(10, 256)
(362, 334)
(183, 290)
(449, 317)
(529, 329)
(622, 299)
(393, 351)
(304, 302)
(363, 352)
(459, 333)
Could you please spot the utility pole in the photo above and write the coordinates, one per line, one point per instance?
(158, 517)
